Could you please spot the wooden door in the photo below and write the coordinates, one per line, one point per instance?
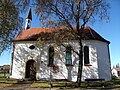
(31, 70)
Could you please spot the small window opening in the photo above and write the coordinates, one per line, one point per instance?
(86, 56)
(68, 55)
(32, 47)
(51, 56)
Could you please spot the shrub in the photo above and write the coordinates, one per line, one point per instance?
(114, 78)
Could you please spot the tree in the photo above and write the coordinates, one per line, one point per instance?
(10, 23)
(117, 65)
(69, 13)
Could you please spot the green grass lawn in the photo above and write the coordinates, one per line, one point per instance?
(8, 82)
(2, 75)
(4, 78)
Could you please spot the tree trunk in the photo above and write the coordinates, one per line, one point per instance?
(80, 64)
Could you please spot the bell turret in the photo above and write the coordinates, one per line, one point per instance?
(28, 20)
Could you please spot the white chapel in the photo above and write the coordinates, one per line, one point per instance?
(34, 61)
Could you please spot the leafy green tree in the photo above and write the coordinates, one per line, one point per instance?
(10, 23)
(69, 13)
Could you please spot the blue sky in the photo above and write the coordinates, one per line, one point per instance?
(110, 31)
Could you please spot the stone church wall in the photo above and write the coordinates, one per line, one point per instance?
(98, 56)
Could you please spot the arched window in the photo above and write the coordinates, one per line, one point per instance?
(86, 55)
(68, 55)
(51, 56)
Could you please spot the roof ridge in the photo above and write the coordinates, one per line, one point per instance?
(89, 33)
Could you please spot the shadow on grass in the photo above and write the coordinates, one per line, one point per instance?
(61, 84)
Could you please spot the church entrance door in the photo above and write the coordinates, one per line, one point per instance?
(31, 70)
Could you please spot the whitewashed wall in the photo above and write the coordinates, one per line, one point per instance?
(98, 53)
(114, 72)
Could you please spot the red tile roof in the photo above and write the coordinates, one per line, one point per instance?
(29, 34)
(25, 34)
(117, 69)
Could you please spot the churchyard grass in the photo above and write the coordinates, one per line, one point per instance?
(7, 82)
(2, 77)
(5, 78)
